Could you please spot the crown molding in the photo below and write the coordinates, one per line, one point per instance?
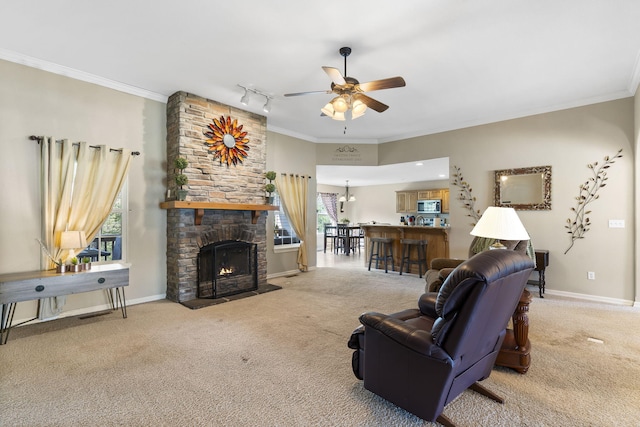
(51, 67)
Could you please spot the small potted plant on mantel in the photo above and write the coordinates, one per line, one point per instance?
(270, 187)
(181, 179)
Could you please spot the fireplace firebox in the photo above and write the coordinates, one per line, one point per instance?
(227, 268)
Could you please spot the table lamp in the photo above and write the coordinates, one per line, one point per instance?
(73, 240)
(500, 224)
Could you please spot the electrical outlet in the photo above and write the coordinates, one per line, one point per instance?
(616, 223)
(591, 275)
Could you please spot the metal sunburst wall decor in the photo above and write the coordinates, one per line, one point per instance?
(226, 140)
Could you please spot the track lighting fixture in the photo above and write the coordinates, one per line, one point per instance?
(245, 98)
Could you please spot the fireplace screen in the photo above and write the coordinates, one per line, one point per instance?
(227, 268)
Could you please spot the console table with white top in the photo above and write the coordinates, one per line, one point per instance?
(33, 285)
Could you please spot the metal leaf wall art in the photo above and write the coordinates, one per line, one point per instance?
(465, 196)
(580, 223)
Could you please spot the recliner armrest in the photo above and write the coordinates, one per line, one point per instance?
(405, 334)
(427, 304)
(440, 263)
(444, 273)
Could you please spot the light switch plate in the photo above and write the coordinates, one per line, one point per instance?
(616, 223)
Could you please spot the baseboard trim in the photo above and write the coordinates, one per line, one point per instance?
(593, 298)
(89, 310)
(287, 273)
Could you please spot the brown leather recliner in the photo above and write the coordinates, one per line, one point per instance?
(440, 268)
(421, 359)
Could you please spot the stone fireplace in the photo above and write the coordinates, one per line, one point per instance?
(227, 267)
(224, 201)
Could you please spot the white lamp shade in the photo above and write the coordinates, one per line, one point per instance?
(342, 199)
(73, 240)
(501, 224)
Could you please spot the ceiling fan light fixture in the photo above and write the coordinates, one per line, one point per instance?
(357, 109)
(328, 109)
(340, 104)
(359, 106)
(338, 116)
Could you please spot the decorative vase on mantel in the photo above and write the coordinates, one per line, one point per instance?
(182, 194)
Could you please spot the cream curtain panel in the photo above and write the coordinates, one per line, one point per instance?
(79, 185)
(293, 191)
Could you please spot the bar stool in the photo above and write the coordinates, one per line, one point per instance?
(383, 252)
(421, 246)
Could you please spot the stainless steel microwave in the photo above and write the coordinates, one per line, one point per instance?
(429, 206)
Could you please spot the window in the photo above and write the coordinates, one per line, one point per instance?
(323, 215)
(108, 244)
(283, 233)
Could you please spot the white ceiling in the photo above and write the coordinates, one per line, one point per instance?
(465, 62)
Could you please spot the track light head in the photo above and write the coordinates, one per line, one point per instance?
(245, 98)
(267, 105)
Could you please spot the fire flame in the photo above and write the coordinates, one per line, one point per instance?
(225, 271)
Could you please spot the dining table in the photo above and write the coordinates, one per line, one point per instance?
(348, 235)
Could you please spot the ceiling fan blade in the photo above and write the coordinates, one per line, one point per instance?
(335, 75)
(307, 93)
(371, 103)
(382, 84)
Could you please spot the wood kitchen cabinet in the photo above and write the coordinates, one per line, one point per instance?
(429, 194)
(406, 201)
(445, 201)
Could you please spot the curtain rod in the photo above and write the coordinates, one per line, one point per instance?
(295, 174)
(39, 139)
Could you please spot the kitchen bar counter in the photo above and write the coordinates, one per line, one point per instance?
(437, 238)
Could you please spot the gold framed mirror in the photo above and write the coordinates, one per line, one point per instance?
(523, 188)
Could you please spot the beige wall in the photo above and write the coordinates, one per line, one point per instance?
(567, 140)
(286, 154)
(40, 103)
(37, 102)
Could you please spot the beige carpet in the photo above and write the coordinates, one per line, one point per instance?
(281, 359)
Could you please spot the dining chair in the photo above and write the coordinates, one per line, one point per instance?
(330, 234)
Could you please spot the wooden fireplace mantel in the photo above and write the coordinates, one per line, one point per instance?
(200, 207)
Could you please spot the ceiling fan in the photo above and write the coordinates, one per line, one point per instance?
(350, 92)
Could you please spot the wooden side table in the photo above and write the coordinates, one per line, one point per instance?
(515, 352)
(542, 262)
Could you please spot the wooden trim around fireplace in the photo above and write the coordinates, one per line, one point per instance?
(200, 207)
